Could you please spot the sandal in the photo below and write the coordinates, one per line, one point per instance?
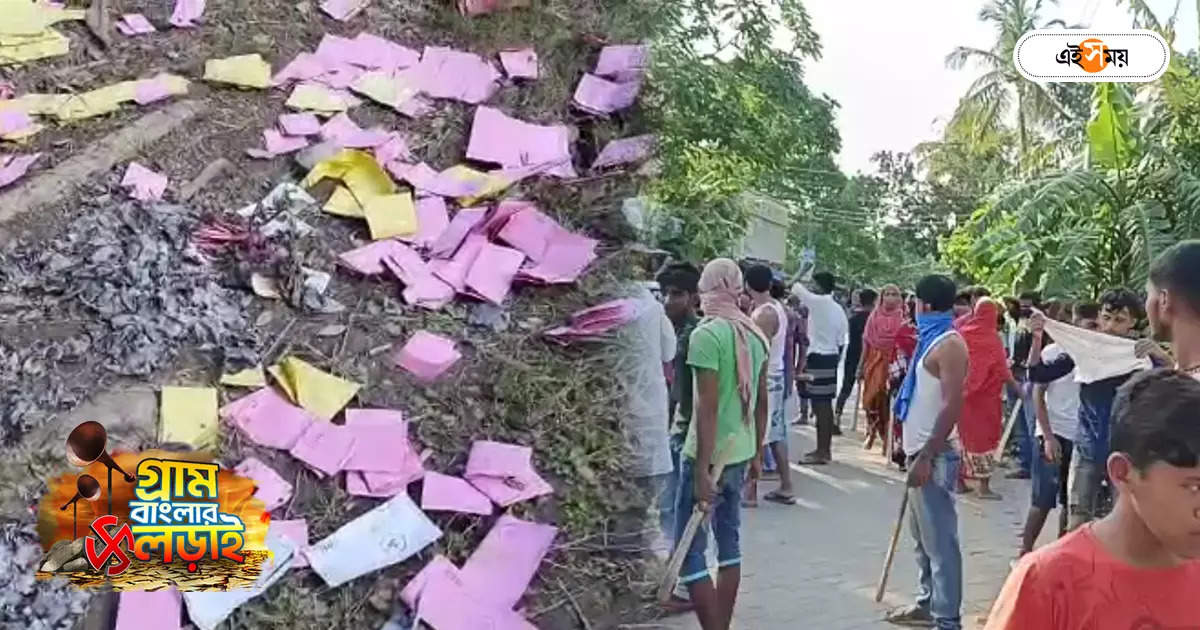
(813, 459)
(988, 496)
(911, 616)
(776, 496)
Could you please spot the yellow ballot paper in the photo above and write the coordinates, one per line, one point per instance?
(22, 17)
(320, 393)
(358, 170)
(318, 98)
(243, 70)
(343, 203)
(22, 48)
(188, 415)
(390, 216)
(489, 185)
(249, 377)
(384, 89)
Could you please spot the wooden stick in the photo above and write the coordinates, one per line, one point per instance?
(857, 406)
(667, 584)
(888, 440)
(1012, 421)
(891, 552)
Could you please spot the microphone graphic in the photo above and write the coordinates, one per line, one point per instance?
(86, 487)
(86, 445)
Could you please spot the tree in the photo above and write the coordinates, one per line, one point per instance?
(734, 115)
(1001, 89)
(1081, 230)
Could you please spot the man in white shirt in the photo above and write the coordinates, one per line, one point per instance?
(649, 342)
(1056, 405)
(1173, 306)
(828, 329)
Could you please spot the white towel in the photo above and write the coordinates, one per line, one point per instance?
(1097, 355)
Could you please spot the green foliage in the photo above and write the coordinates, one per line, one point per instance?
(1110, 136)
(734, 115)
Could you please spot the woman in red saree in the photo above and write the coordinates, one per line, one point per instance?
(982, 417)
(879, 351)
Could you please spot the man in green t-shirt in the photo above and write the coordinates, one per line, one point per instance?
(728, 354)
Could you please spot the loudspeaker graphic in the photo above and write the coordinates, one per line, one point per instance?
(87, 488)
(86, 445)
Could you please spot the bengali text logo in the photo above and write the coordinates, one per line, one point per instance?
(1074, 55)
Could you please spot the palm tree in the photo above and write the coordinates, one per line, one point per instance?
(993, 95)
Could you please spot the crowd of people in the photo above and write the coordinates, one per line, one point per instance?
(1105, 425)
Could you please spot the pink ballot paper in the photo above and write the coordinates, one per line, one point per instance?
(270, 488)
(504, 472)
(502, 567)
(427, 355)
(452, 494)
(325, 447)
(380, 442)
(268, 419)
(296, 531)
(137, 610)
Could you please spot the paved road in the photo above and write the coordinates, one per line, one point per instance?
(815, 565)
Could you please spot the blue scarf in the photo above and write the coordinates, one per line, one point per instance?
(930, 326)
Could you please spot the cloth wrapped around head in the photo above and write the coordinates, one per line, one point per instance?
(885, 322)
(720, 285)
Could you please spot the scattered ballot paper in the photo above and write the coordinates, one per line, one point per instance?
(452, 494)
(17, 125)
(432, 219)
(625, 151)
(132, 24)
(492, 273)
(453, 74)
(97, 102)
(24, 18)
(137, 610)
(504, 472)
(381, 443)
(384, 88)
(454, 271)
(596, 322)
(249, 377)
(243, 70)
(143, 183)
(296, 531)
(319, 98)
(624, 62)
(270, 488)
(158, 88)
(318, 392)
(388, 534)
(188, 415)
(462, 223)
(368, 259)
(207, 609)
(277, 144)
(187, 12)
(347, 134)
(443, 600)
(303, 124)
(510, 143)
(427, 356)
(421, 287)
(505, 562)
(389, 216)
(603, 97)
(520, 64)
(1097, 355)
(15, 49)
(325, 447)
(343, 10)
(268, 419)
(14, 167)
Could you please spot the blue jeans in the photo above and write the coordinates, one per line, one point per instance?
(725, 517)
(670, 495)
(934, 524)
(1022, 432)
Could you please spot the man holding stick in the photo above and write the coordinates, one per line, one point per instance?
(728, 356)
(929, 404)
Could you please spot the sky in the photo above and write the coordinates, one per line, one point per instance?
(884, 63)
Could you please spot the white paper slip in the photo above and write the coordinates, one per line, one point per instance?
(207, 609)
(384, 536)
